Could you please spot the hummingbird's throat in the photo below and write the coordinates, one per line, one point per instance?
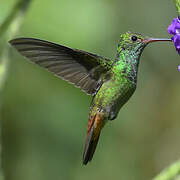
(128, 63)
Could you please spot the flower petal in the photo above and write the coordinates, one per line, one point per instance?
(174, 29)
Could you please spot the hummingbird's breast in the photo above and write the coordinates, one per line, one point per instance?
(112, 95)
(118, 88)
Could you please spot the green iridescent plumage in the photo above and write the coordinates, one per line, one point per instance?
(110, 82)
(121, 79)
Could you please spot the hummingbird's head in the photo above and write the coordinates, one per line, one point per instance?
(134, 43)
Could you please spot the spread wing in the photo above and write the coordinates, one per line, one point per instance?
(81, 68)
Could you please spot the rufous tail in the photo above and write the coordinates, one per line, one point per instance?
(95, 124)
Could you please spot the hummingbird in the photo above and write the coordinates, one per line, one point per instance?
(110, 82)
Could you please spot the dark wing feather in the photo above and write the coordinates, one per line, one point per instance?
(81, 68)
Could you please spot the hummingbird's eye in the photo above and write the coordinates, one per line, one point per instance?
(134, 38)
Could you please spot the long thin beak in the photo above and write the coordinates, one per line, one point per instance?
(149, 40)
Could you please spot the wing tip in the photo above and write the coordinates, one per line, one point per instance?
(15, 41)
(11, 42)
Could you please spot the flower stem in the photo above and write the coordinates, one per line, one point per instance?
(177, 3)
(13, 18)
(8, 29)
(170, 173)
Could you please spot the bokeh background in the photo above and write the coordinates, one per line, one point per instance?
(45, 118)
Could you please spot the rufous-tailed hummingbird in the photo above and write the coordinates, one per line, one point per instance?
(111, 82)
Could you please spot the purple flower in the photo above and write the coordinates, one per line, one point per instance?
(179, 68)
(174, 29)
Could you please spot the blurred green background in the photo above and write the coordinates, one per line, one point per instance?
(45, 118)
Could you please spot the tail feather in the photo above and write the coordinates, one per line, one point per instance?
(95, 125)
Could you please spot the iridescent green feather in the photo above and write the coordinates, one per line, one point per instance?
(121, 79)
